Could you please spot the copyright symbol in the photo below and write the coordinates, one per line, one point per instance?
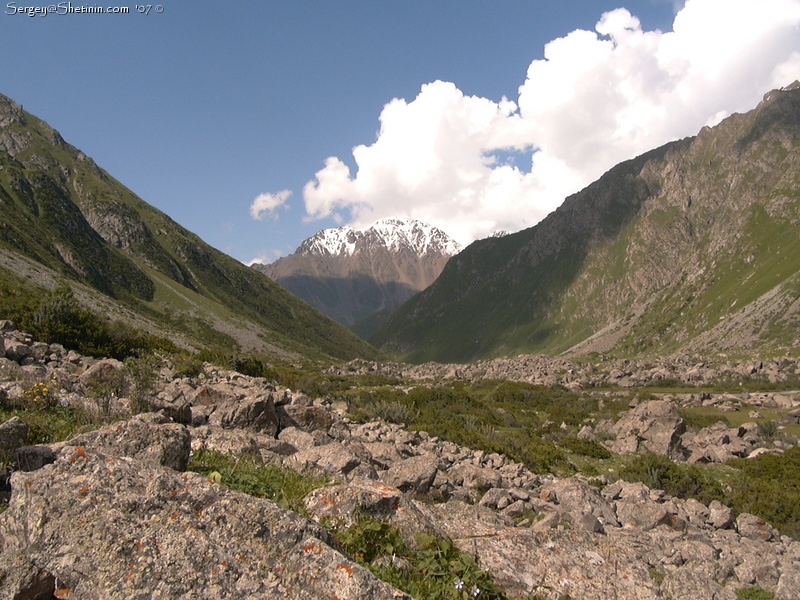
(159, 8)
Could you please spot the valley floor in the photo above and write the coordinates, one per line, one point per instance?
(516, 478)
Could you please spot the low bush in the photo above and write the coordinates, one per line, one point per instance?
(680, 480)
(430, 568)
(769, 486)
(585, 447)
(59, 318)
(754, 593)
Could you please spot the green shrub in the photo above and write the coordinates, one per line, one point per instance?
(139, 375)
(684, 481)
(434, 568)
(55, 424)
(585, 447)
(769, 486)
(59, 318)
(698, 420)
(754, 593)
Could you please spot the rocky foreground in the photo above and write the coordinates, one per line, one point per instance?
(112, 513)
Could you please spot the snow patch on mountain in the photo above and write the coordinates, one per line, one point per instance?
(394, 234)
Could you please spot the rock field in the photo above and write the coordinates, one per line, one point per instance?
(113, 513)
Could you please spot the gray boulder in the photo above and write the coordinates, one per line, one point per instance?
(334, 459)
(16, 350)
(475, 478)
(342, 504)
(578, 498)
(103, 528)
(755, 528)
(413, 474)
(106, 371)
(238, 442)
(252, 414)
(147, 437)
(13, 435)
(653, 426)
(302, 440)
(31, 458)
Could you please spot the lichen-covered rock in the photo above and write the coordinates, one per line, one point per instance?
(103, 528)
(146, 437)
(343, 503)
(334, 459)
(557, 563)
(695, 580)
(653, 426)
(413, 474)
(252, 414)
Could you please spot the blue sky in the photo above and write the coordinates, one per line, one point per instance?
(202, 107)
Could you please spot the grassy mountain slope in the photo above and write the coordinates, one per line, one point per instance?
(61, 210)
(690, 247)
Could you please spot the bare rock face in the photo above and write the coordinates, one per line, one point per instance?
(653, 426)
(95, 527)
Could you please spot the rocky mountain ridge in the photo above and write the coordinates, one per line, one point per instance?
(688, 248)
(358, 276)
(395, 234)
(62, 217)
(112, 513)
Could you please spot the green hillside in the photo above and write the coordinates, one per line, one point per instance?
(74, 221)
(690, 247)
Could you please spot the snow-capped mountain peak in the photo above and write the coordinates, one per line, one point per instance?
(394, 234)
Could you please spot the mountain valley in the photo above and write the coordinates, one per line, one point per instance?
(359, 276)
(606, 405)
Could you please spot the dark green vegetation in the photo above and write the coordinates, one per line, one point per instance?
(754, 593)
(64, 218)
(251, 476)
(532, 424)
(537, 426)
(57, 317)
(691, 246)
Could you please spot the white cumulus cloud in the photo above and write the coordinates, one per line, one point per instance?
(597, 98)
(267, 204)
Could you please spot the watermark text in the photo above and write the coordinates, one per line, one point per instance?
(68, 8)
